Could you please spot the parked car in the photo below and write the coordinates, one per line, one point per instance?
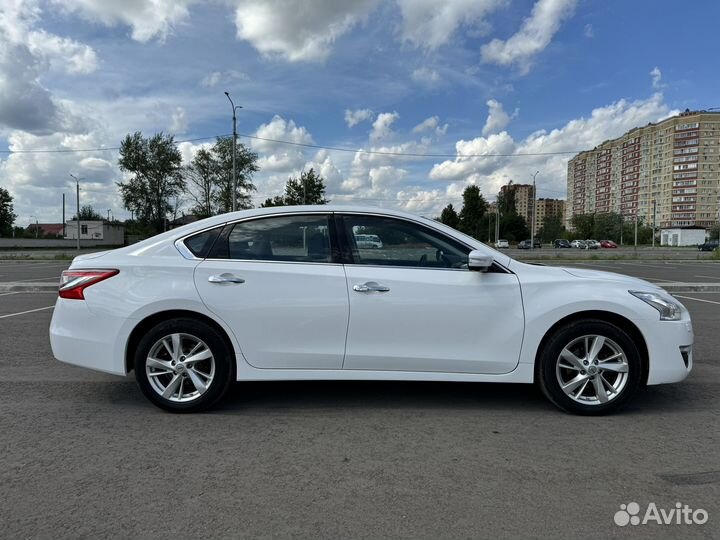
(579, 244)
(525, 244)
(562, 243)
(283, 294)
(709, 245)
(592, 244)
(368, 241)
(608, 244)
(502, 244)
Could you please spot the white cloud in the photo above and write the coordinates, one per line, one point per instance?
(505, 160)
(656, 75)
(497, 119)
(148, 18)
(431, 124)
(589, 31)
(67, 54)
(178, 121)
(26, 54)
(534, 35)
(297, 30)
(228, 76)
(382, 126)
(353, 118)
(426, 76)
(430, 24)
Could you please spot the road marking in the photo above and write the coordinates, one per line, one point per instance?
(664, 266)
(29, 311)
(9, 293)
(709, 277)
(36, 279)
(697, 299)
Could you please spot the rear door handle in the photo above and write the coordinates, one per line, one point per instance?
(370, 286)
(225, 278)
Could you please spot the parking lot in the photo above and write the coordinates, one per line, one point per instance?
(85, 454)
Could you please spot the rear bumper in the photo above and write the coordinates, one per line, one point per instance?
(80, 337)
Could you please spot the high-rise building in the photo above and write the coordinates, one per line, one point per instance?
(546, 208)
(524, 205)
(666, 173)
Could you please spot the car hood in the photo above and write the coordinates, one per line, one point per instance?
(610, 276)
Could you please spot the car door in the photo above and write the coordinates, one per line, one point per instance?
(274, 282)
(414, 305)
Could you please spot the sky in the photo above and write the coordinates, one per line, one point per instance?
(479, 91)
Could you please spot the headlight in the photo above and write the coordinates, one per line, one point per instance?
(668, 308)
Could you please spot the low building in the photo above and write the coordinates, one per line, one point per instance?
(689, 236)
(54, 230)
(108, 232)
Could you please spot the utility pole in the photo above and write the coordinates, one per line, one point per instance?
(489, 222)
(108, 215)
(63, 215)
(532, 222)
(654, 217)
(636, 220)
(234, 166)
(77, 195)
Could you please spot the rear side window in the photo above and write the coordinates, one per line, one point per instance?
(282, 238)
(200, 244)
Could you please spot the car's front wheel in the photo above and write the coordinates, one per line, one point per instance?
(590, 367)
(183, 365)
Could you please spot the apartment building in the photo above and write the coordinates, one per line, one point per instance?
(524, 205)
(669, 169)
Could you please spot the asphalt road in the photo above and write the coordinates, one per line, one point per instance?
(83, 454)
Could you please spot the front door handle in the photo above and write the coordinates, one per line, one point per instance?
(370, 286)
(225, 278)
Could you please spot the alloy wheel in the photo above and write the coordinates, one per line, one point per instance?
(592, 370)
(180, 367)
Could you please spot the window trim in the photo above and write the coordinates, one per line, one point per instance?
(347, 244)
(228, 226)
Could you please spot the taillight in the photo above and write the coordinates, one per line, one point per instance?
(74, 282)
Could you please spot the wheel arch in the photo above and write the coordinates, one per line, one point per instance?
(151, 320)
(621, 322)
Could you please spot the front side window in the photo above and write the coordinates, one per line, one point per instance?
(283, 238)
(385, 241)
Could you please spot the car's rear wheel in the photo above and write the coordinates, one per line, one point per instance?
(183, 365)
(590, 367)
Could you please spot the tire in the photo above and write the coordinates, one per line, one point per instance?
(192, 380)
(603, 385)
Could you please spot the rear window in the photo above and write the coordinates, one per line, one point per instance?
(200, 244)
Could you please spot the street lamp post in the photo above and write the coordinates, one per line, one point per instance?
(234, 166)
(36, 226)
(534, 213)
(77, 200)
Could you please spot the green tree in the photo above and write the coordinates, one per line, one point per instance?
(88, 213)
(506, 199)
(473, 210)
(513, 227)
(245, 164)
(584, 225)
(450, 217)
(7, 213)
(606, 226)
(277, 200)
(201, 175)
(155, 168)
(308, 189)
(551, 229)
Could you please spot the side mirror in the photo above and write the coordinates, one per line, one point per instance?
(479, 261)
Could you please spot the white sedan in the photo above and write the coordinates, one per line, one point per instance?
(288, 294)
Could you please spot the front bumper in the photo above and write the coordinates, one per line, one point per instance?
(669, 346)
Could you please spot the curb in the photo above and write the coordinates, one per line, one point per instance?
(689, 287)
(15, 286)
